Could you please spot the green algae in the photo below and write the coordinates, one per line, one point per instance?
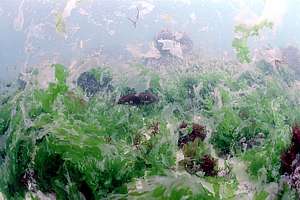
(244, 32)
(60, 24)
(96, 148)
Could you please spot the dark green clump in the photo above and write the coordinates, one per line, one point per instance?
(95, 81)
(226, 135)
(5, 112)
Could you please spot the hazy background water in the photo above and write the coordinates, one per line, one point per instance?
(28, 33)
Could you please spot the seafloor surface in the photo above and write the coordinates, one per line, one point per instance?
(202, 129)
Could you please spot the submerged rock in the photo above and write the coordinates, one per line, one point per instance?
(173, 43)
(167, 48)
(291, 56)
(138, 99)
(172, 47)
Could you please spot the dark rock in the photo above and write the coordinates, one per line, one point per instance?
(131, 99)
(163, 35)
(138, 99)
(147, 97)
(185, 41)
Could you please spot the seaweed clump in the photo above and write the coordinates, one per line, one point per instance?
(95, 81)
(196, 154)
(198, 132)
(208, 165)
(289, 160)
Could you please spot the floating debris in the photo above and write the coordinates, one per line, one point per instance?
(19, 20)
(136, 19)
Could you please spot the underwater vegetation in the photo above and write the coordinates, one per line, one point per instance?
(182, 137)
(95, 81)
(243, 33)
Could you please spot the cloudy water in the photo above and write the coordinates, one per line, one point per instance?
(149, 99)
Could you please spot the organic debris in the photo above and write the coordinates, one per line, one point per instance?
(136, 19)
